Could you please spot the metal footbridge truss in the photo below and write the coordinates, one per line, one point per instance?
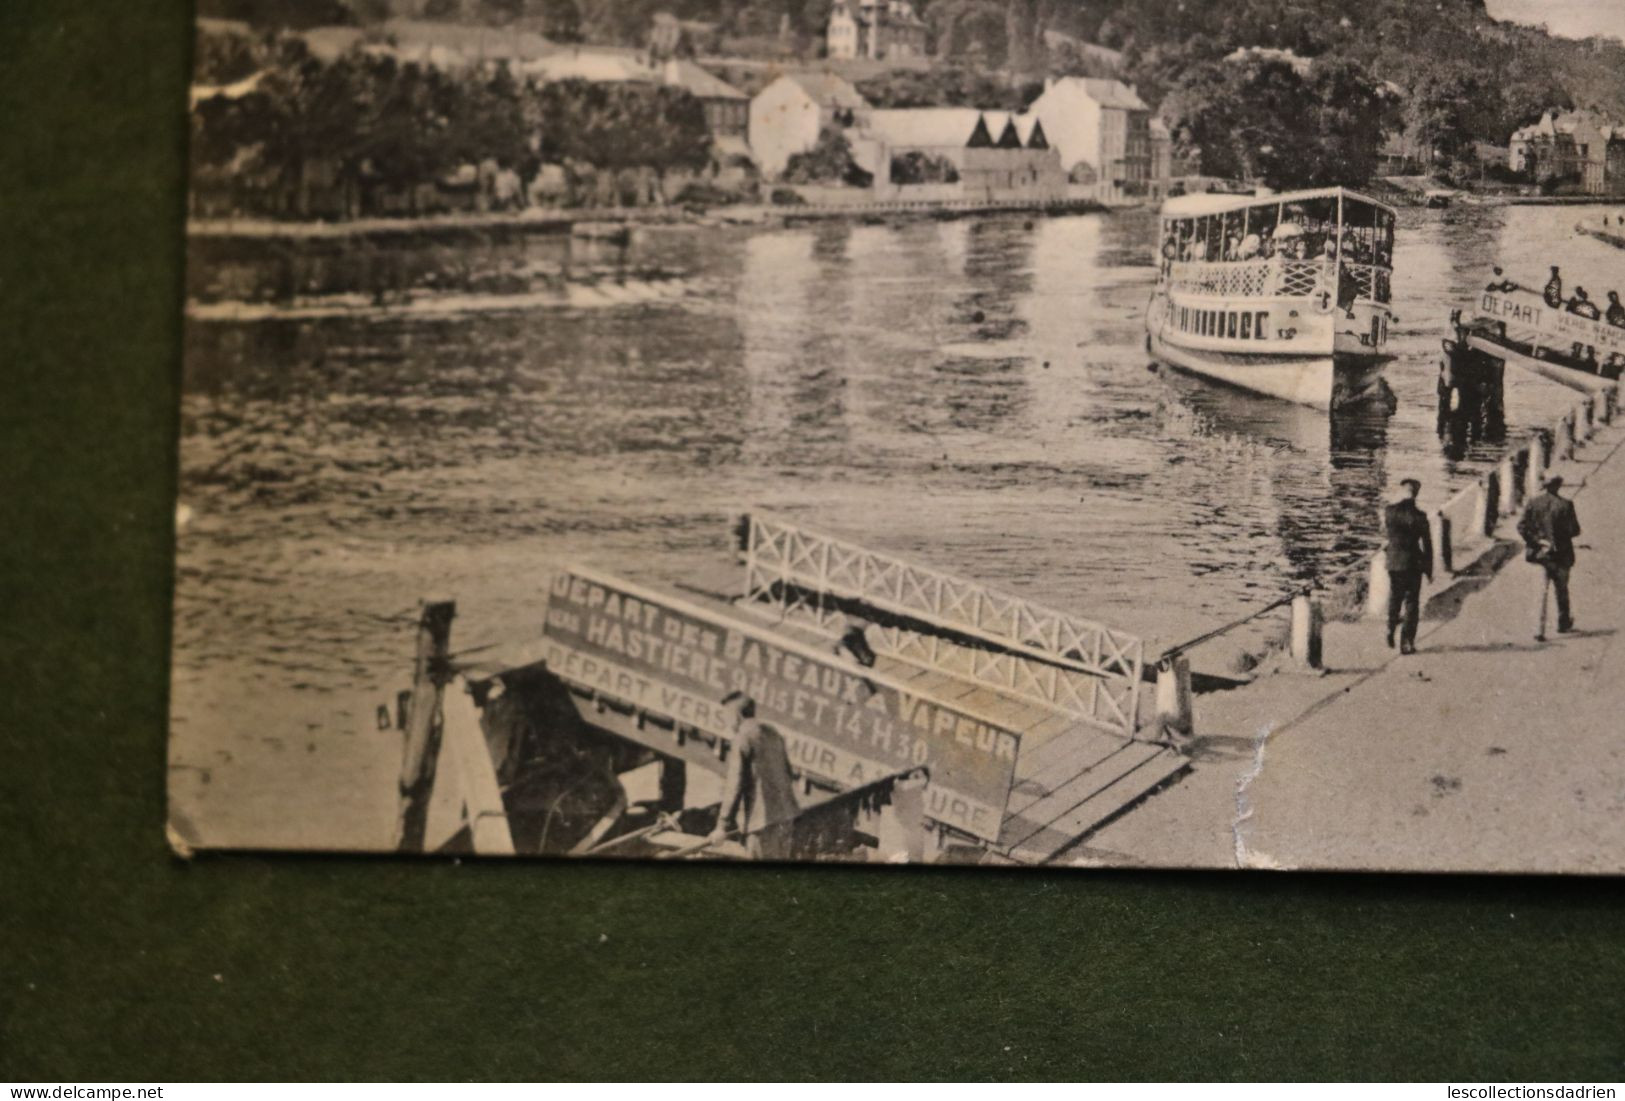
(938, 621)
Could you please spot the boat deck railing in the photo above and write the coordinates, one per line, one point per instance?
(1278, 277)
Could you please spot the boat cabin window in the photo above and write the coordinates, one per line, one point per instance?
(1306, 228)
(1258, 238)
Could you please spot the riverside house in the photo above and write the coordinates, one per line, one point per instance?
(1585, 147)
(1102, 130)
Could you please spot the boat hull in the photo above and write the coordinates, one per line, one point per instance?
(1330, 381)
(1557, 372)
(1617, 239)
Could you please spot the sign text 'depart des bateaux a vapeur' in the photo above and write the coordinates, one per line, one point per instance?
(840, 724)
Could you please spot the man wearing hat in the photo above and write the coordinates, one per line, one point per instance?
(1410, 558)
(1548, 528)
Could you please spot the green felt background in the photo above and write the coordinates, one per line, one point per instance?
(117, 961)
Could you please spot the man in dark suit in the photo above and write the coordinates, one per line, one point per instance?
(1410, 558)
(1548, 528)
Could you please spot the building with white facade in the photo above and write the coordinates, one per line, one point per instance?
(1583, 146)
(874, 29)
(1102, 130)
(787, 116)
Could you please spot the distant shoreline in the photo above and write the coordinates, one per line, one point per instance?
(564, 221)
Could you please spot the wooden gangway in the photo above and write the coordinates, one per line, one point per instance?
(1023, 719)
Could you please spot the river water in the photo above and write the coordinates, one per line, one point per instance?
(971, 393)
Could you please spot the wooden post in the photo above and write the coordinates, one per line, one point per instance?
(1563, 447)
(1306, 630)
(1485, 494)
(421, 749)
(1174, 711)
(1376, 595)
(1590, 408)
(1443, 555)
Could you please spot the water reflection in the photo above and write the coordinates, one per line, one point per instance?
(975, 393)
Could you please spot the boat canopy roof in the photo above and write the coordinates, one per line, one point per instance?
(1197, 206)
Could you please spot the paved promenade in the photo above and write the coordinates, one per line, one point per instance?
(1483, 751)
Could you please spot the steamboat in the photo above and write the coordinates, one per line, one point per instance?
(1286, 295)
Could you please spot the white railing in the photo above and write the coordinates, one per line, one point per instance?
(1276, 278)
(948, 623)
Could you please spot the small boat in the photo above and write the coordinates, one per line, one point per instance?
(1285, 295)
(1518, 325)
(1608, 231)
(615, 233)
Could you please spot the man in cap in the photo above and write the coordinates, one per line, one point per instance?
(1410, 558)
(1548, 528)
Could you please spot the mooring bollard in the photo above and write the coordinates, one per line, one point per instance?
(1590, 407)
(1306, 630)
(1174, 712)
(1442, 549)
(1535, 471)
(1484, 497)
(1377, 587)
(1507, 478)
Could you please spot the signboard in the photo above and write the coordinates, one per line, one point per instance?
(840, 723)
(1530, 311)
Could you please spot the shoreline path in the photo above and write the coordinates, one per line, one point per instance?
(1484, 751)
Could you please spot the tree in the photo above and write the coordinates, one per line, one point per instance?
(1261, 119)
(916, 167)
(828, 161)
(616, 128)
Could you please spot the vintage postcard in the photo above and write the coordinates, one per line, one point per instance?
(1015, 432)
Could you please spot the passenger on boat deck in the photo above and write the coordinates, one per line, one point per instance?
(1582, 306)
(1616, 312)
(1249, 247)
(1554, 289)
(1504, 285)
(1613, 367)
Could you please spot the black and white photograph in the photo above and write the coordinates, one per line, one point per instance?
(1081, 433)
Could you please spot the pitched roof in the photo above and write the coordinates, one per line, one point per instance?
(1585, 123)
(591, 64)
(685, 74)
(956, 127)
(927, 126)
(430, 38)
(1032, 132)
(1106, 92)
(828, 90)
